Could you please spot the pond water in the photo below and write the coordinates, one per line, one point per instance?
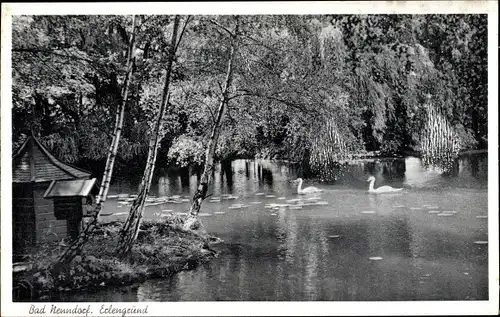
(428, 242)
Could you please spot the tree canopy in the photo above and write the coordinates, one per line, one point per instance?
(311, 89)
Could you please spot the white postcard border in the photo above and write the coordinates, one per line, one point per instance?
(260, 308)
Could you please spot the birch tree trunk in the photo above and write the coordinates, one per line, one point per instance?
(191, 221)
(84, 236)
(130, 229)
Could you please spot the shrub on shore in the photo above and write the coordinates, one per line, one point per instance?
(162, 249)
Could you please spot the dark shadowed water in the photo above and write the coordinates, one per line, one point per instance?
(426, 243)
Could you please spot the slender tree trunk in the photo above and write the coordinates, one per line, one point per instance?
(191, 221)
(84, 236)
(130, 229)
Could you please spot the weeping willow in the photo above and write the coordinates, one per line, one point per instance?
(439, 143)
(330, 147)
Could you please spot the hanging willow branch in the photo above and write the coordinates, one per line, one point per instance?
(329, 148)
(439, 143)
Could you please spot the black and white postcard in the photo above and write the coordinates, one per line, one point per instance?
(249, 158)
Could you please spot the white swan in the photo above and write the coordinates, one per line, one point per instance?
(307, 190)
(382, 189)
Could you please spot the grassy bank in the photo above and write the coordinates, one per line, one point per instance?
(162, 249)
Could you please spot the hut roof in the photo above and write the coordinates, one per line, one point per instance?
(70, 188)
(34, 163)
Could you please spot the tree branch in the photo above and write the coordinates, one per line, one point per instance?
(304, 108)
(220, 86)
(182, 33)
(57, 72)
(51, 52)
(258, 43)
(222, 27)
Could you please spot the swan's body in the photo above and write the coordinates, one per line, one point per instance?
(307, 190)
(381, 189)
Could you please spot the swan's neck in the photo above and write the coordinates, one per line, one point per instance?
(299, 187)
(372, 183)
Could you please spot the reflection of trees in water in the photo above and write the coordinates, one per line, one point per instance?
(356, 172)
(319, 256)
(374, 278)
(418, 243)
(228, 177)
(393, 169)
(266, 176)
(193, 184)
(175, 181)
(255, 169)
(473, 165)
(217, 184)
(232, 270)
(236, 175)
(171, 183)
(282, 168)
(286, 233)
(227, 174)
(398, 236)
(443, 162)
(242, 261)
(319, 263)
(307, 253)
(247, 169)
(252, 176)
(390, 238)
(243, 281)
(303, 169)
(184, 177)
(468, 165)
(162, 186)
(303, 253)
(393, 234)
(332, 173)
(279, 291)
(311, 272)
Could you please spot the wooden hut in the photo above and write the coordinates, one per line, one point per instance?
(47, 197)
